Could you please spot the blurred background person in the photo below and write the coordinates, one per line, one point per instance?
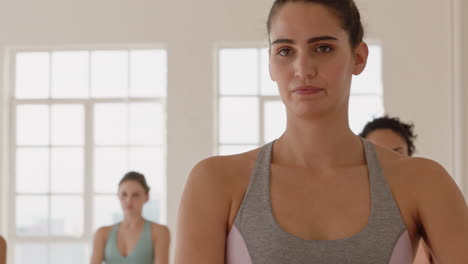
(134, 239)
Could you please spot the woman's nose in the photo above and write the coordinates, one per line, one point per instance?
(304, 67)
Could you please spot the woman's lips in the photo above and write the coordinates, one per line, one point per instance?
(307, 90)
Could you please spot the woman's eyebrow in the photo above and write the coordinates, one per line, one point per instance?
(311, 40)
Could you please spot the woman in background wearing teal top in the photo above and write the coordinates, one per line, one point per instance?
(135, 239)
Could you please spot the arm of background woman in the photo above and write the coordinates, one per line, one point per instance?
(161, 237)
(99, 244)
(443, 214)
(203, 215)
(3, 250)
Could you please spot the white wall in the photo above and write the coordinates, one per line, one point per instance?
(464, 29)
(417, 64)
(416, 36)
(420, 71)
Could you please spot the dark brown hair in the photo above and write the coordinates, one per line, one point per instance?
(345, 10)
(138, 177)
(397, 126)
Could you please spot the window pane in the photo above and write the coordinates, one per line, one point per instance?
(238, 71)
(31, 216)
(152, 210)
(66, 216)
(275, 120)
(230, 150)
(107, 210)
(32, 170)
(67, 125)
(69, 253)
(239, 120)
(148, 73)
(147, 123)
(32, 75)
(109, 73)
(110, 124)
(67, 170)
(32, 118)
(363, 109)
(27, 253)
(150, 162)
(110, 165)
(70, 74)
(370, 80)
(267, 86)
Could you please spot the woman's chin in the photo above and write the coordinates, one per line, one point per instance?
(131, 212)
(309, 112)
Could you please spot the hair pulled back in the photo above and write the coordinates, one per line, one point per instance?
(138, 177)
(346, 11)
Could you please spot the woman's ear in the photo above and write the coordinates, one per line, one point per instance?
(360, 58)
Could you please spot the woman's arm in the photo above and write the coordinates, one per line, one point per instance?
(3, 250)
(99, 244)
(443, 215)
(161, 238)
(203, 215)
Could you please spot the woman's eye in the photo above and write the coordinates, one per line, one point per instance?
(323, 49)
(284, 52)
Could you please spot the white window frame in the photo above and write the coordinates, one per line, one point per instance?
(262, 99)
(88, 194)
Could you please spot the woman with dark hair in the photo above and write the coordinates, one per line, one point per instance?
(319, 193)
(135, 239)
(392, 133)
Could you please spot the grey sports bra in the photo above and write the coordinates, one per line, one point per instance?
(256, 237)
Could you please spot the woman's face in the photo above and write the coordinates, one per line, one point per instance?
(311, 59)
(132, 197)
(389, 139)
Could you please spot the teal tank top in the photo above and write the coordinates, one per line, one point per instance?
(142, 253)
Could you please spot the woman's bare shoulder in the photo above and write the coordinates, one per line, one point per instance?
(219, 163)
(218, 183)
(224, 169)
(159, 232)
(103, 232)
(158, 229)
(413, 167)
(415, 173)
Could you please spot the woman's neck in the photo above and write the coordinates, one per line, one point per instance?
(319, 143)
(132, 221)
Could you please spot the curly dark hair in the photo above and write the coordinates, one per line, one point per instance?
(393, 123)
